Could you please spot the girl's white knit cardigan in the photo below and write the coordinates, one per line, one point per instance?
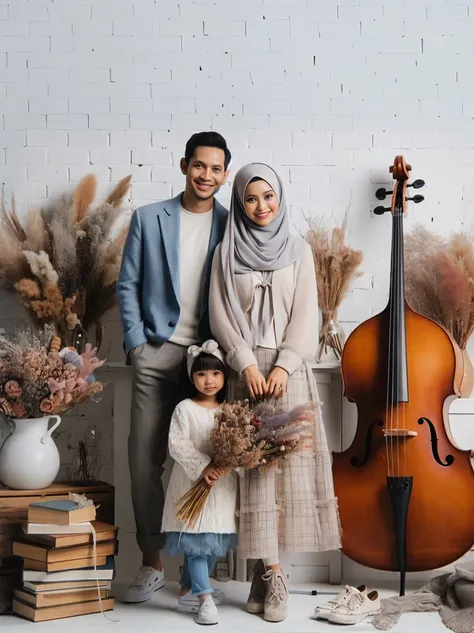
(190, 447)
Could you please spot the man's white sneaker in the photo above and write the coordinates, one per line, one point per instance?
(190, 604)
(148, 581)
(359, 608)
(207, 613)
(323, 611)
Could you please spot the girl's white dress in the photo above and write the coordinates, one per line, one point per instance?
(189, 445)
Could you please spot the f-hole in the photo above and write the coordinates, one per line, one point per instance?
(434, 444)
(355, 461)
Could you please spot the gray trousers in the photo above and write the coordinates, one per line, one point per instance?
(158, 379)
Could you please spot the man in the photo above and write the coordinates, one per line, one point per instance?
(163, 298)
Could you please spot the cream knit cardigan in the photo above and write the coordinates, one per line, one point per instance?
(295, 307)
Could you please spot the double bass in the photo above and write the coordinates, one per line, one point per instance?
(405, 490)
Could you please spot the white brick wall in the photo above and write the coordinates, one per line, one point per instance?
(327, 91)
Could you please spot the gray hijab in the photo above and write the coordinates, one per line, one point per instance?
(248, 247)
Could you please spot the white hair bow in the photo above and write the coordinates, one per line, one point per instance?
(209, 347)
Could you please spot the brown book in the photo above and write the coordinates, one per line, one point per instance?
(60, 512)
(57, 587)
(104, 532)
(38, 565)
(53, 599)
(48, 555)
(60, 611)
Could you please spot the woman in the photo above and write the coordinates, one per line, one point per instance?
(264, 313)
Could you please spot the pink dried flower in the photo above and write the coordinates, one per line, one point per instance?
(46, 405)
(55, 385)
(89, 361)
(57, 399)
(13, 390)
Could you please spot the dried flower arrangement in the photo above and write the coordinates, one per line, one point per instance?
(336, 265)
(38, 378)
(439, 283)
(245, 438)
(64, 263)
(439, 279)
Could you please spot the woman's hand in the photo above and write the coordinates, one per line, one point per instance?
(256, 383)
(277, 382)
(213, 473)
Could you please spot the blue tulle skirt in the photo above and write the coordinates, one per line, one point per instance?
(205, 544)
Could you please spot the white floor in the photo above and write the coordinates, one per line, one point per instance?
(160, 616)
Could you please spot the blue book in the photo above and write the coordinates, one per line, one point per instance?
(60, 512)
(63, 505)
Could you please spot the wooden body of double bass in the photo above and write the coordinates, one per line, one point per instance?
(440, 525)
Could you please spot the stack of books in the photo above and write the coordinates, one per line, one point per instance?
(59, 579)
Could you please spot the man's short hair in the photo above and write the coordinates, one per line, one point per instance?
(207, 139)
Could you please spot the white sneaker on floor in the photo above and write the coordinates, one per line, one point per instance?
(323, 611)
(207, 613)
(359, 608)
(148, 581)
(190, 604)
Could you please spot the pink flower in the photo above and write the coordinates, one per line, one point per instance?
(57, 399)
(55, 385)
(46, 405)
(18, 410)
(13, 390)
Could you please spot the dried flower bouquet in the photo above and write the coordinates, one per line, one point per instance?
(336, 265)
(64, 263)
(38, 378)
(245, 438)
(439, 279)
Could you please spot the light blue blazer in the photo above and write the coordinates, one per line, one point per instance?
(148, 288)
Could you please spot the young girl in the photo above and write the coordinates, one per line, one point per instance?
(190, 447)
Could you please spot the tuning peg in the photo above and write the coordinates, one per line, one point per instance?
(416, 199)
(381, 194)
(417, 184)
(381, 210)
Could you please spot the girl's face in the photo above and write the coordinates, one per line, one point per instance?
(209, 381)
(260, 203)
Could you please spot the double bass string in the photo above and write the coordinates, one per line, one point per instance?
(400, 299)
(396, 373)
(397, 338)
(390, 390)
(402, 268)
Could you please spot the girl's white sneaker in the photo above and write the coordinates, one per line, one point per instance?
(359, 608)
(323, 611)
(190, 604)
(207, 613)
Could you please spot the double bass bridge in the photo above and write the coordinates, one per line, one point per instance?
(356, 462)
(399, 433)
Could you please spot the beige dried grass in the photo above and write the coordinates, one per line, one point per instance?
(69, 251)
(336, 266)
(439, 279)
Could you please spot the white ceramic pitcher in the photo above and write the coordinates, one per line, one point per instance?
(29, 459)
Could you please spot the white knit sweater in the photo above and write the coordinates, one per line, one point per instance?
(190, 447)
